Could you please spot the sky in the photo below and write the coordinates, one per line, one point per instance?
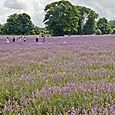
(35, 8)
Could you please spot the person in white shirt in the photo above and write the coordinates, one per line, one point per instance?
(7, 40)
(20, 39)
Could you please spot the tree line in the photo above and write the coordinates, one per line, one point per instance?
(20, 24)
(61, 18)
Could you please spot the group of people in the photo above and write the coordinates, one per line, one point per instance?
(23, 39)
(14, 39)
(37, 38)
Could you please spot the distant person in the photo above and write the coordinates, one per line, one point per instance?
(43, 38)
(20, 39)
(24, 39)
(37, 39)
(7, 40)
(13, 39)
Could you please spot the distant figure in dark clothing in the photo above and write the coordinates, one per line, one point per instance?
(24, 39)
(43, 38)
(37, 39)
(13, 39)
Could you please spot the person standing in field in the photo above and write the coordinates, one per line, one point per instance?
(37, 39)
(13, 39)
(24, 39)
(43, 38)
(7, 40)
(20, 39)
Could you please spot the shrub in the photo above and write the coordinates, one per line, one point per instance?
(98, 32)
(113, 31)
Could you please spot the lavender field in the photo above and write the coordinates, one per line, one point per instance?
(61, 76)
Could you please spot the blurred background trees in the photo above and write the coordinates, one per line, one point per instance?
(61, 18)
(104, 26)
(112, 25)
(19, 24)
(64, 18)
(89, 27)
(86, 23)
(1, 29)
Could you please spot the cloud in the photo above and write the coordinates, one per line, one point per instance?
(35, 8)
(15, 4)
(105, 8)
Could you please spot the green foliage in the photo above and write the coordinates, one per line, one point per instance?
(86, 22)
(36, 30)
(112, 23)
(64, 18)
(61, 18)
(19, 24)
(83, 12)
(113, 31)
(103, 25)
(1, 29)
(40, 31)
(98, 32)
(89, 27)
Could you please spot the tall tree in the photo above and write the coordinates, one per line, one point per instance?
(19, 24)
(83, 14)
(1, 29)
(112, 23)
(89, 27)
(103, 25)
(86, 22)
(61, 18)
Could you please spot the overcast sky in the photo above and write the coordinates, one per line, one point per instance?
(35, 8)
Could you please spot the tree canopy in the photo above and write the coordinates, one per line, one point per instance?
(103, 25)
(86, 22)
(64, 18)
(1, 29)
(61, 17)
(112, 23)
(19, 24)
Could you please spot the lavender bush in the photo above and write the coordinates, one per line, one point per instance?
(62, 76)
